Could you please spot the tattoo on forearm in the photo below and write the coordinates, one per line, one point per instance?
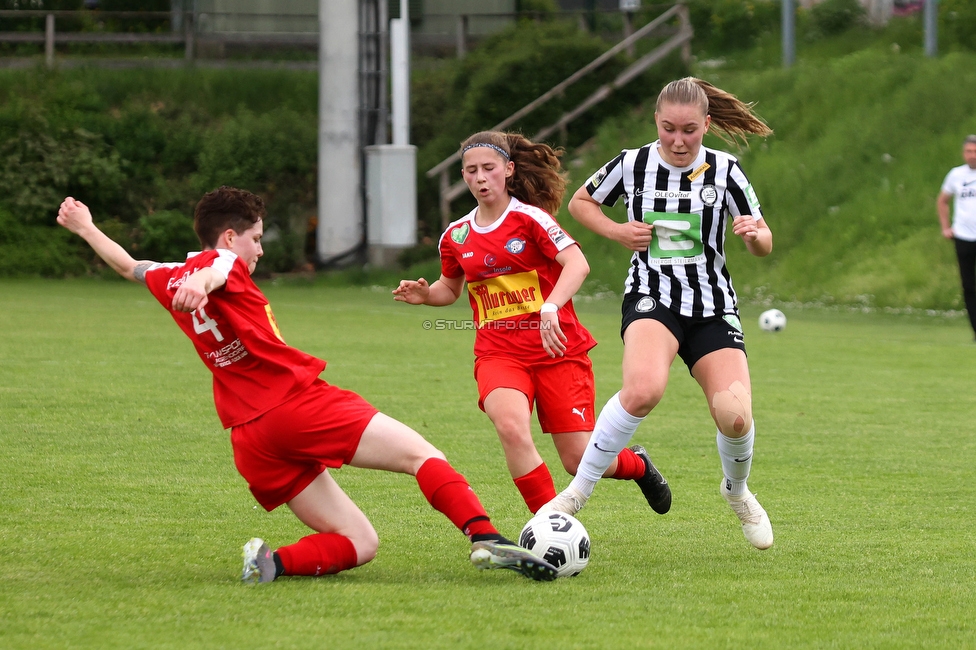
(139, 272)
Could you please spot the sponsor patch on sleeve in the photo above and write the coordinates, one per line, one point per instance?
(556, 234)
(751, 196)
(598, 177)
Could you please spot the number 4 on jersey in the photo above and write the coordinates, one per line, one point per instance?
(203, 323)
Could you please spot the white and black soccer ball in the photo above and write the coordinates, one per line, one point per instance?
(772, 320)
(559, 539)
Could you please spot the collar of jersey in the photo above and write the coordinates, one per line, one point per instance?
(221, 252)
(483, 230)
(699, 159)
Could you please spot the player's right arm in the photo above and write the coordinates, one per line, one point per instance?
(942, 205)
(633, 235)
(418, 292)
(76, 217)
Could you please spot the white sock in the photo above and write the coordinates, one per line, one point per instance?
(614, 429)
(736, 455)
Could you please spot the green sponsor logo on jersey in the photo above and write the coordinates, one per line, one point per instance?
(460, 233)
(676, 239)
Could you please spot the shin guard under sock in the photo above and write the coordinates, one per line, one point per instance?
(536, 487)
(318, 554)
(449, 493)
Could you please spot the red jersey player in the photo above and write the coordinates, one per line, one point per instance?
(522, 271)
(287, 425)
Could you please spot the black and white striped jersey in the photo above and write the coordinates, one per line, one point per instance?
(684, 266)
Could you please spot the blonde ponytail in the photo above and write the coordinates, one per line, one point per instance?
(732, 117)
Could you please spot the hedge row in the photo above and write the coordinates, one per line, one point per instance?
(141, 146)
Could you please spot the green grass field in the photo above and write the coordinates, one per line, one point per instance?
(123, 515)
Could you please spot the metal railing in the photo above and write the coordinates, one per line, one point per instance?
(461, 31)
(682, 39)
(191, 29)
(188, 33)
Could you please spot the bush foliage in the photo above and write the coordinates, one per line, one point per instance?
(140, 147)
(957, 20)
(832, 17)
(727, 25)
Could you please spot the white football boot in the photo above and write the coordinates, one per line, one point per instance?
(569, 501)
(259, 564)
(755, 522)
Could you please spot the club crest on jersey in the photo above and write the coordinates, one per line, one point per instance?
(598, 177)
(460, 233)
(709, 195)
(490, 260)
(733, 320)
(515, 246)
(556, 234)
(645, 305)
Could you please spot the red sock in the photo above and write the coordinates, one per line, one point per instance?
(536, 487)
(630, 466)
(317, 555)
(451, 495)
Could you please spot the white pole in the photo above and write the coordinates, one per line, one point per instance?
(49, 41)
(340, 218)
(400, 74)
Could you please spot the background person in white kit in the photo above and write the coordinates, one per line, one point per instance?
(959, 189)
(678, 297)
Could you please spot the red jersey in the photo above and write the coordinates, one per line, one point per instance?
(237, 338)
(511, 268)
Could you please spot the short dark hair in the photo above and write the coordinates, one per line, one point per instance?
(223, 208)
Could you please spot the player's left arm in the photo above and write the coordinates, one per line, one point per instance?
(747, 216)
(575, 270)
(755, 233)
(193, 294)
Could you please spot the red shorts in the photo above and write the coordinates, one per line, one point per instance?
(563, 389)
(282, 451)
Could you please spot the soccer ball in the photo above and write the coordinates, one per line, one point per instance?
(560, 540)
(772, 320)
